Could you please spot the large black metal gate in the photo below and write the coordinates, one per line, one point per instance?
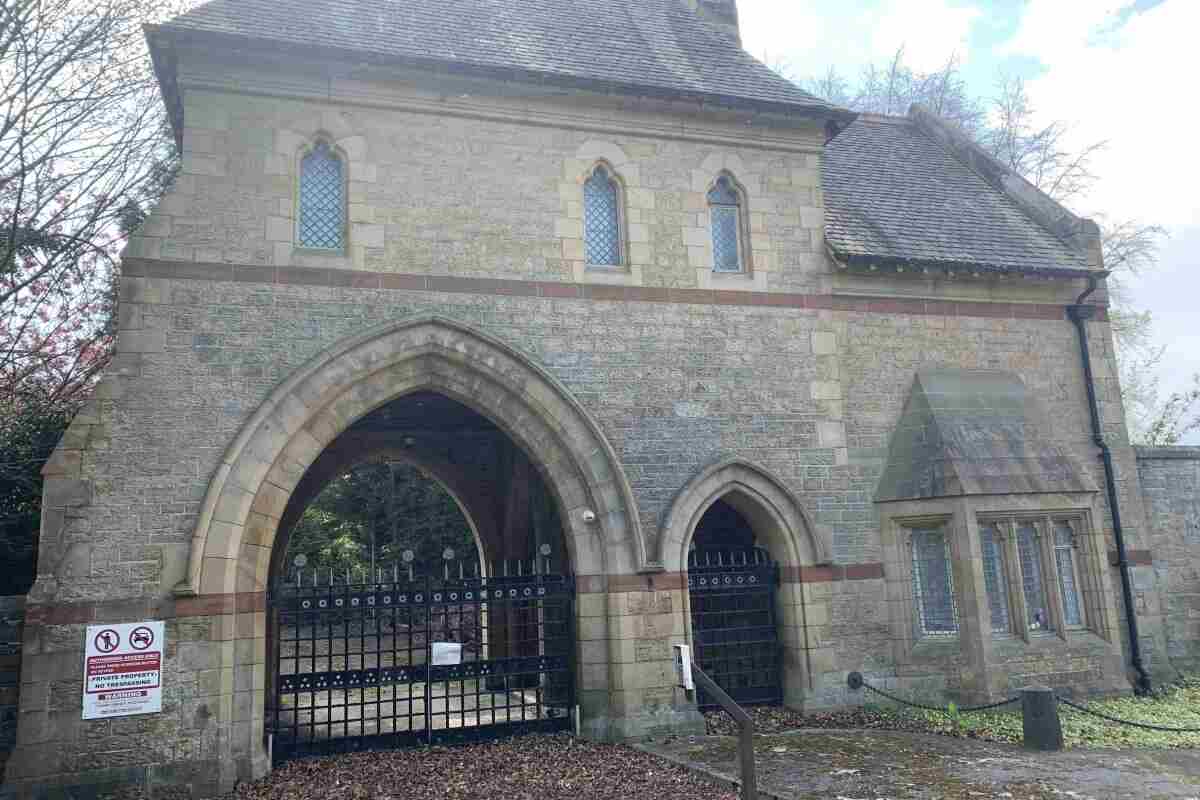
(408, 659)
(734, 635)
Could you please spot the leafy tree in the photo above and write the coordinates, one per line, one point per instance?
(371, 515)
(83, 156)
(28, 434)
(1007, 126)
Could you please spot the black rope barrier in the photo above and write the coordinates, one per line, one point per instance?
(856, 681)
(1146, 725)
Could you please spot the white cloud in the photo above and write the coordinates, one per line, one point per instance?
(1129, 86)
(929, 30)
(811, 36)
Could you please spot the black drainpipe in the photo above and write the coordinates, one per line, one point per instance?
(1080, 314)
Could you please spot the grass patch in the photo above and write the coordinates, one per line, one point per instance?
(1175, 706)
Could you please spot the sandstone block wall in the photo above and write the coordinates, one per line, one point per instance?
(471, 215)
(1170, 480)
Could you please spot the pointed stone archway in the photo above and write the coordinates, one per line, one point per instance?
(782, 527)
(231, 549)
(231, 545)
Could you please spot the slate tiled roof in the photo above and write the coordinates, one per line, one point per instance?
(659, 45)
(894, 193)
(973, 432)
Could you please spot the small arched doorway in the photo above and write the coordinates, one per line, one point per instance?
(732, 584)
(736, 519)
(419, 591)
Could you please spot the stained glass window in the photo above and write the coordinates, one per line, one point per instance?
(995, 578)
(726, 212)
(322, 200)
(601, 219)
(1033, 583)
(933, 584)
(1064, 557)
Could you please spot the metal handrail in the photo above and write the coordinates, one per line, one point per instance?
(749, 787)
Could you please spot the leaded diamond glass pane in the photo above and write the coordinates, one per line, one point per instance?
(322, 200)
(725, 239)
(933, 584)
(601, 219)
(726, 223)
(1064, 556)
(1037, 615)
(995, 579)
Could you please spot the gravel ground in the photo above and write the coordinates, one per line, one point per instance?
(554, 767)
(899, 765)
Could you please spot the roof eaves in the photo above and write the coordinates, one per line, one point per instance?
(861, 262)
(166, 36)
(166, 68)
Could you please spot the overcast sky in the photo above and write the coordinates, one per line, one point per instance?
(1123, 72)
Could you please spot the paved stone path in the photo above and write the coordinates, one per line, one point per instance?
(870, 765)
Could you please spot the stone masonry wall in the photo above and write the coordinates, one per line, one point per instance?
(12, 618)
(218, 308)
(475, 195)
(1170, 478)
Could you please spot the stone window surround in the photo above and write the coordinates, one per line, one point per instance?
(922, 590)
(614, 175)
(756, 244)
(638, 198)
(361, 176)
(337, 152)
(1086, 562)
(745, 250)
(899, 530)
(962, 517)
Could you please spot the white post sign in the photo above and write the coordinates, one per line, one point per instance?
(683, 667)
(122, 669)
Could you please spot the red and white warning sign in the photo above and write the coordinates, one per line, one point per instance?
(123, 670)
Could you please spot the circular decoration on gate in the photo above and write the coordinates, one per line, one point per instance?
(541, 590)
(453, 596)
(704, 581)
(448, 553)
(528, 592)
(499, 593)
(306, 603)
(437, 597)
(418, 597)
(387, 599)
(322, 604)
(354, 602)
(408, 556)
(728, 580)
(741, 579)
(469, 596)
(300, 561)
(754, 579)
(371, 600)
(339, 602)
(512, 592)
(544, 549)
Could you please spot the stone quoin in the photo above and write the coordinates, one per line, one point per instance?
(839, 341)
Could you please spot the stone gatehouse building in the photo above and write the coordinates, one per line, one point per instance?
(643, 308)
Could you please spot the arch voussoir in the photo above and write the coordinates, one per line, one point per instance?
(263, 467)
(797, 540)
